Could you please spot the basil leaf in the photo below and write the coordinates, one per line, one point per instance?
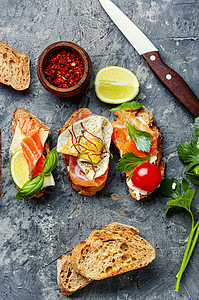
(127, 106)
(129, 161)
(31, 187)
(170, 187)
(51, 162)
(141, 138)
(196, 126)
(188, 151)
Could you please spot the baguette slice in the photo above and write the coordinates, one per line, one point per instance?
(22, 113)
(87, 191)
(105, 254)
(144, 115)
(14, 68)
(68, 279)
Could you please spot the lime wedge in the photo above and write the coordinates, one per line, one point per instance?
(116, 85)
(19, 169)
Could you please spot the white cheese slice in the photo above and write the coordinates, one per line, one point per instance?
(19, 136)
(48, 181)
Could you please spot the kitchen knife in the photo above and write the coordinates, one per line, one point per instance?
(168, 77)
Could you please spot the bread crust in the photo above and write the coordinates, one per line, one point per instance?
(67, 276)
(14, 68)
(22, 113)
(86, 191)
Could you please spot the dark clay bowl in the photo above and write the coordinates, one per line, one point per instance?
(74, 89)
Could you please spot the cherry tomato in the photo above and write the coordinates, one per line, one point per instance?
(147, 177)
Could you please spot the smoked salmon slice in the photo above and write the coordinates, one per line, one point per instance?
(32, 150)
(28, 126)
(121, 137)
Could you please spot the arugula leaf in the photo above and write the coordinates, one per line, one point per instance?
(51, 162)
(127, 106)
(170, 187)
(196, 126)
(198, 208)
(129, 161)
(188, 151)
(31, 187)
(141, 138)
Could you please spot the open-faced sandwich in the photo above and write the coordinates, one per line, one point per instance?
(84, 141)
(139, 143)
(32, 162)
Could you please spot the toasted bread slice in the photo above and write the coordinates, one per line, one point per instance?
(147, 118)
(14, 68)
(22, 113)
(68, 279)
(87, 191)
(105, 254)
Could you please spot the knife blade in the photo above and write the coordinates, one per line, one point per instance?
(167, 76)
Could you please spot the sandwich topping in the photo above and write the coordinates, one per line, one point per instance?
(28, 152)
(137, 144)
(88, 140)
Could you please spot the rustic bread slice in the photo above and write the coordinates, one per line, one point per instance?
(14, 68)
(22, 113)
(105, 254)
(68, 279)
(87, 191)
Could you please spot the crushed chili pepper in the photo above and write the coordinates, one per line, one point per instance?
(63, 68)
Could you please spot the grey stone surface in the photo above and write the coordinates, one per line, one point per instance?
(34, 233)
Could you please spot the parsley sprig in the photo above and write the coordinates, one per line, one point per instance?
(188, 153)
(129, 161)
(141, 138)
(133, 105)
(172, 188)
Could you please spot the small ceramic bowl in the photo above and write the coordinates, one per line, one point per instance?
(77, 86)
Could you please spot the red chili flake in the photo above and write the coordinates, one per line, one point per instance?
(63, 68)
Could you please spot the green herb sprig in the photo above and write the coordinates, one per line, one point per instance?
(142, 139)
(188, 153)
(34, 184)
(127, 106)
(129, 161)
(172, 188)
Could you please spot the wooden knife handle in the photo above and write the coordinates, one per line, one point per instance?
(173, 82)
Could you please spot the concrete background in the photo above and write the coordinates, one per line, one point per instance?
(34, 233)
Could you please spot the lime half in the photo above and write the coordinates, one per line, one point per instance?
(116, 85)
(19, 169)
